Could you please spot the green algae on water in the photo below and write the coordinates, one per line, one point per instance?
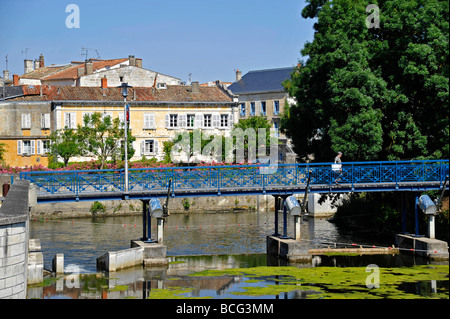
(336, 282)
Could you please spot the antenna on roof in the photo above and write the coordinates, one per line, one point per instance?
(26, 52)
(84, 51)
(6, 58)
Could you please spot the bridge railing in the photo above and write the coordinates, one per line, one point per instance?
(238, 177)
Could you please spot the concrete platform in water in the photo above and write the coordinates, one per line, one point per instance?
(148, 254)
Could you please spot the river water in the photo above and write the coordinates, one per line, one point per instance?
(195, 242)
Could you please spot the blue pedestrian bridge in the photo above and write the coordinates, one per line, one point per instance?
(258, 179)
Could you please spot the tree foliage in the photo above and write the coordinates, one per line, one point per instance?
(100, 136)
(372, 93)
(65, 144)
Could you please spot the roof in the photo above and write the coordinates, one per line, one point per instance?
(173, 93)
(259, 81)
(68, 71)
(45, 71)
(72, 73)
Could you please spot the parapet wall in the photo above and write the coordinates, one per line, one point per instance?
(14, 220)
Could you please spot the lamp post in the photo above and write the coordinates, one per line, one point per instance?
(124, 88)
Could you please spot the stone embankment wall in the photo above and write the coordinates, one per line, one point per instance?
(178, 205)
(14, 218)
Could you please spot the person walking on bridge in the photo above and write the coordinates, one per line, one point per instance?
(337, 167)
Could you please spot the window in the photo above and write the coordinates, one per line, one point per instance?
(223, 120)
(263, 108)
(26, 121)
(26, 147)
(45, 121)
(149, 121)
(276, 128)
(161, 86)
(190, 120)
(45, 147)
(149, 147)
(252, 108)
(42, 147)
(207, 120)
(173, 120)
(242, 109)
(70, 120)
(276, 107)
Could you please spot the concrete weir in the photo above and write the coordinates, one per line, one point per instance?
(429, 248)
(147, 254)
(288, 249)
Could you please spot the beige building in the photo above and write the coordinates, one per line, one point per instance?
(156, 114)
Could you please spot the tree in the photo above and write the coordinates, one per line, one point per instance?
(101, 136)
(254, 123)
(2, 152)
(372, 93)
(65, 143)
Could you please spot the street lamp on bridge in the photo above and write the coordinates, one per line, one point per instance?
(124, 90)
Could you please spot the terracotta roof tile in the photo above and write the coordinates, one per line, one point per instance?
(72, 72)
(173, 93)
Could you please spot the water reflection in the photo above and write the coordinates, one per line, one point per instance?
(194, 242)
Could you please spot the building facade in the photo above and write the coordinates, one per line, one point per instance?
(260, 93)
(156, 115)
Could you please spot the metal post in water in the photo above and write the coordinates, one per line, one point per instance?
(144, 220)
(431, 227)
(160, 230)
(297, 227)
(416, 214)
(277, 207)
(284, 218)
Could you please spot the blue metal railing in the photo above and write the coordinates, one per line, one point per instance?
(390, 174)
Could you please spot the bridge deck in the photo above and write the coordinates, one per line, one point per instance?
(53, 186)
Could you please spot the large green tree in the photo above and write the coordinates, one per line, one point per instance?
(374, 93)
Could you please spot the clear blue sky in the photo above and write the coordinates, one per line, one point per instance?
(209, 39)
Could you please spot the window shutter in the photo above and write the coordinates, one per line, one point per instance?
(33, 146)
(167, 118)
(215, 121)
(152, 120)
(19, 147)
(142, 148)
(66, 119)
(38, 147)
(182, 120)
(155, 147)
(230, 120)
(47, 120)
(198, 123)
(72, 120)
(146, 120)
(43, 121)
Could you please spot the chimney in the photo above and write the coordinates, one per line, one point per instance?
(195, 87)
(37, 64)
(104, 82)
(28, 66)
(41, 61)
(80, 71)
(238, 75)
(5, 75)
(132, 60)
(15, 79)
(89, 67)
(139, 63)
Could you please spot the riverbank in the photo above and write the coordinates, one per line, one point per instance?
(63, 210)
